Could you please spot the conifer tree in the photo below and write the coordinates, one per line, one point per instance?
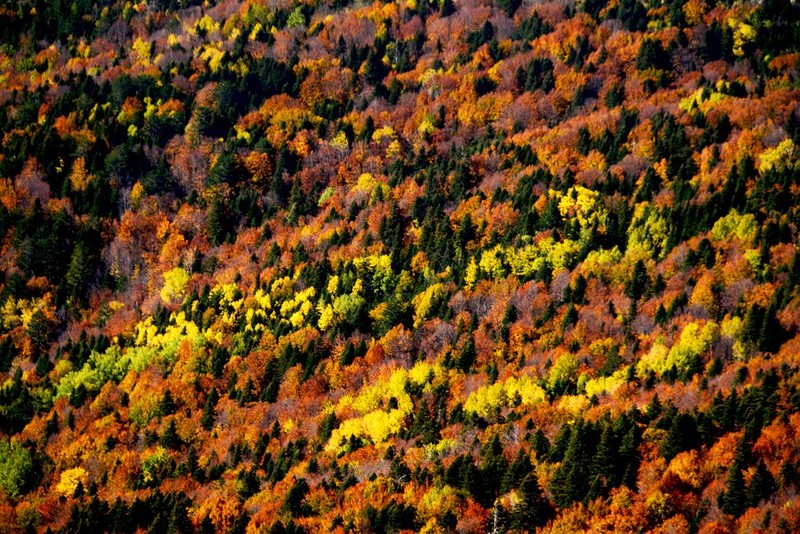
(569, 480)
(209, 410)
(533, 510)
(170, 438)
(762, 485)
(734, 499)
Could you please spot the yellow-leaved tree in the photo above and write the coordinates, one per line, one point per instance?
(70, 479)
(175, 282)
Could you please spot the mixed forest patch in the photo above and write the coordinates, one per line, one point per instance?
(409, 265)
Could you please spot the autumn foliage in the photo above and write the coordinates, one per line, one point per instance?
(409, 265)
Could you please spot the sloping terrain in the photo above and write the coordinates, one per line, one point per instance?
(440, 266)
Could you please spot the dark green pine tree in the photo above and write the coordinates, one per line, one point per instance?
(517, 471)
(424, 424)
(466, 356)
(79, 272)
(247, 483)
(651, 55)
(570, 317)
(493, 467)
(788, 474)
(650, 186)
(753, 320)
(627, 451)
(210, 410)
(217, 221)
(569, 482)
(170, 438)
(219, 357)
(179, 515)
(654, 408)
(559, 447)
(533, 510)
(509, 6)
(730, 412)
(733, 501)
(603, 463)
(294, 502)
(637, 285)
(770, 331)
(541, 445)
(446, 8)
(167, 404)
(38, 332)
(374, 70)
(762, 485)
(119, 515)
(681, 436)
(633, 15)
(296, 202)
(793, 280)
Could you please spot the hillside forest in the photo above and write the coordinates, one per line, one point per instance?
(430, 266)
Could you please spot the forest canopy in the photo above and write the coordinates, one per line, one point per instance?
(402, 265)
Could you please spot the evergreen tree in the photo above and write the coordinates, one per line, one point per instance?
(509, 6)
(633, 15)
(247, 483)
(603, 462)
(627, 453)
(651, 55)
(424, 424)
(218, 221)
(570, 317)
(466, 356)
(734, 499)
(38, 331)
(446, 8)
(219, 357)
(681, 436)
(541, 445)
(517, 471)
(533, 510)
(493, 467)
(167, 404)
(762, 485)
(294, 502)
(210, 410)
(170, 438)
(569, 480)
(788, 474)
(79, 272)
(637, 284)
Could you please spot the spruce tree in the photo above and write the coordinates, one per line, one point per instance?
(533, 510)
(569, 480)
(651, 55)
(493, 467)
(517, 470)
(170, 438)
(734, 500)
(294, 502)
(79, 272)
(603, 461)
(210, 410)
(167, 404)
(217, 221)
(762, 484)
(681, 436)
(541, 445)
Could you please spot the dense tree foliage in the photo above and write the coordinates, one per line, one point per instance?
(440, 266)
